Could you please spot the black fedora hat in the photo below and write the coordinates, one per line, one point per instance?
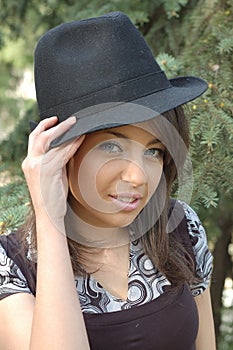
(102, 71)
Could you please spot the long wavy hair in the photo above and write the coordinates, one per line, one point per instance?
(164, 250)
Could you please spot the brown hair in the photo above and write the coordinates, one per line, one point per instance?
(164, 250)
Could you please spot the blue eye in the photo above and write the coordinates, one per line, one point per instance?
(156, 153)
(110, 147)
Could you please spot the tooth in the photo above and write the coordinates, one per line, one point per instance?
(128, 200)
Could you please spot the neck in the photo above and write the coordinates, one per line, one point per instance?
(86, 234)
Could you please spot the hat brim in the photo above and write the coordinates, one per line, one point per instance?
(112, 114)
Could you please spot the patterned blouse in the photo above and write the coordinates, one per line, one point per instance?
(145, 282)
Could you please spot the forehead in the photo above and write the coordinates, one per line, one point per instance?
(143, 131)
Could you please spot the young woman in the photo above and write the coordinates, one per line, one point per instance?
(106, 258)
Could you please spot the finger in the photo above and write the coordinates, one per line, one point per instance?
(57, 157)
(40, 128)
(58, 130)
(46, 132)
(66, 151)
(44, 125)
(73, 147)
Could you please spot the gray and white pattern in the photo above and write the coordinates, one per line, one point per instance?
(145, 282)
(11, 278)
(202, 254)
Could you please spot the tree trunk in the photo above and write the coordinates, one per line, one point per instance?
(222, 268)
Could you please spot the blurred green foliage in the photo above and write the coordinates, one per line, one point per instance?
(188, 37)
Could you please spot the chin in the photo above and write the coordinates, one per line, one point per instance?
(124, 221)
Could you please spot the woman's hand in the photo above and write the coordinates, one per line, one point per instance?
(45, 172)
(45, 169)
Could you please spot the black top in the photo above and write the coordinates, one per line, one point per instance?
(167, 322)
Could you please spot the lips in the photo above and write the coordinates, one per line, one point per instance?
(126, 201)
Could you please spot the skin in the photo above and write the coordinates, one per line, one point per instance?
(119, 161)
(206, 334)
(51, 320)
(123, 160)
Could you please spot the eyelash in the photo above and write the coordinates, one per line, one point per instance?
(159, 152)
(105, 147)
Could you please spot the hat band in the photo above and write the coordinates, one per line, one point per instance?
(125, 91)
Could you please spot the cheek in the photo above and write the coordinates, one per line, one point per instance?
(107, 177)
(154, 174)
(90, 182)
(83, 178)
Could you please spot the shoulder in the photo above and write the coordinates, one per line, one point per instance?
(200, 248)
(14, 271)
(190, 213)
(196, 229)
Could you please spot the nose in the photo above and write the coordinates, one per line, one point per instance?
(134, 173)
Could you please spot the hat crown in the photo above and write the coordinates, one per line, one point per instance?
(81, 58)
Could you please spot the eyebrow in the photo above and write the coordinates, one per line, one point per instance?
(118, 134)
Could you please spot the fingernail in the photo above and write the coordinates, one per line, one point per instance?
(71, 120)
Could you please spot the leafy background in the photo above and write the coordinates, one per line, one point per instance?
(188, 38)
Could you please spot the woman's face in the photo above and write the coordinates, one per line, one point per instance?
(114, 174)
